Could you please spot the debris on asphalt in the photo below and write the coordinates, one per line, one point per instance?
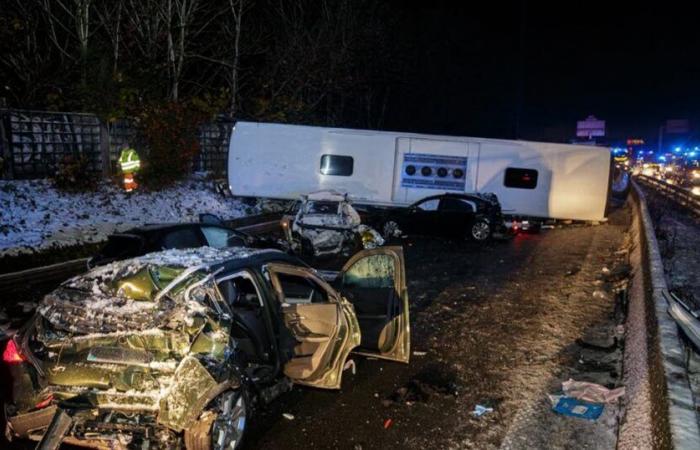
(599, 294)
(288, 416)
(574, 407)
(618, 273)
(388, 423)
(591, 392)
(573, 271)
(480, 410)
(433, 380)
(417, 353)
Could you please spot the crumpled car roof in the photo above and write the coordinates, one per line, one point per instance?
(121, 295)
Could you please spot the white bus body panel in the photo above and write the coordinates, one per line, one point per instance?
(283, 162)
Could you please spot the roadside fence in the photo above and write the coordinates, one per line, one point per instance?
(34, 143)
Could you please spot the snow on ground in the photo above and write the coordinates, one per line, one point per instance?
(36, 216)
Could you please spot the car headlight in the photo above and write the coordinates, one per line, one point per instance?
(695, 190)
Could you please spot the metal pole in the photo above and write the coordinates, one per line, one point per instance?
(104, 150)
(6, 147)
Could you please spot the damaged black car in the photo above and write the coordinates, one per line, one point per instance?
(474, 216)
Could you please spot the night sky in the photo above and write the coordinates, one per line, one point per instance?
(532, 69)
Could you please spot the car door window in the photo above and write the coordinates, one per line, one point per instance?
(242, 295)
(219, 237)
(376, 271)
(428, 205)
(301, 290)
(449, 204)
(182, 238)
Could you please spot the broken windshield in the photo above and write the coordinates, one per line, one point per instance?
(321, 207)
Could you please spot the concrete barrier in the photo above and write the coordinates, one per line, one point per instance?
(659, 408)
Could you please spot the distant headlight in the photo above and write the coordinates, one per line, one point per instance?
(696, 190)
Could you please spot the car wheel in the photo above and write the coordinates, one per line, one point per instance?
(480, 231)
(221, 427)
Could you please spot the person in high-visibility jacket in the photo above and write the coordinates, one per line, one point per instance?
(129, 163)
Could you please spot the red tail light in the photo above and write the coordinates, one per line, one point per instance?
(12, 355)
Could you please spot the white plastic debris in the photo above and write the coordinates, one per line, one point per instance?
(480, 410)
(591, 392)
(417, 353)
(350, 364)
(288, 416)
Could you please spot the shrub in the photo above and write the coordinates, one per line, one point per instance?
(169, 132)
(74, 173)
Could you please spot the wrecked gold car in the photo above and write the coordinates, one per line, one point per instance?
(178, 348)
(324, 224)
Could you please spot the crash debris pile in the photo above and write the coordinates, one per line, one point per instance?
(326, 224)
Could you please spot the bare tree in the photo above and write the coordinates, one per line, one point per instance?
(237, 8)
(110, 14)
(180, 16)
(68, 21)
(23, 65)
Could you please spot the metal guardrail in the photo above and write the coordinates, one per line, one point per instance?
(657, 390)
(56, 273)
(679, 195)
(41, 275)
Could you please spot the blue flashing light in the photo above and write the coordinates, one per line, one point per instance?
(692, 154)
(662, 158)
(677, 149)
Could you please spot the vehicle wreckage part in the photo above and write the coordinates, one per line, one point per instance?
(391, 230)
(25, 425)
(58, 428)
(220, 428)
(188, 395)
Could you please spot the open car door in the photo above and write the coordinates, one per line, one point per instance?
(322, 323)
(374, 281)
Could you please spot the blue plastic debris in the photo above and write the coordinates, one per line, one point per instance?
(574, 407)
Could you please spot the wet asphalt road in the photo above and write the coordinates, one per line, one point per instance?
(482, 332)
(485, 329)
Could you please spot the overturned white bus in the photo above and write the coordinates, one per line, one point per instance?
(533, 179)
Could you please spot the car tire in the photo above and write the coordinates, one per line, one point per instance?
(223, 425)
(480, 231)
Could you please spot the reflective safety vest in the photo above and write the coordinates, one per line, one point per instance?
(129, 160)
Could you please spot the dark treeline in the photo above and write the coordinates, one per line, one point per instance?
(330, 62)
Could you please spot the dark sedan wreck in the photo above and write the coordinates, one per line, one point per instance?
(474, 216)
(176, 348)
